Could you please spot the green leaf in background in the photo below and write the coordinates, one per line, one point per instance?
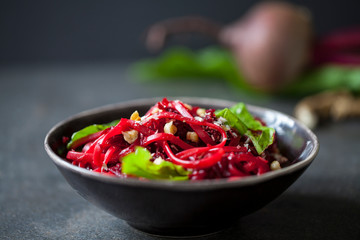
(179, 63)
(138, 164)
(88, 131)
(239, 118)
(328, 77)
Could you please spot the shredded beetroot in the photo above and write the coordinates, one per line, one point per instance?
(218, 151)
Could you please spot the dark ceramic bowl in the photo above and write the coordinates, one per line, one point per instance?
(183, 208)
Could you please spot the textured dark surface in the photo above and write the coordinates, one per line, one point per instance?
(37, 203)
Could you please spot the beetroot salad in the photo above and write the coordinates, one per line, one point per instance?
(176, 141)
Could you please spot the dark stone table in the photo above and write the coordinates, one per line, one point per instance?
(37, 203)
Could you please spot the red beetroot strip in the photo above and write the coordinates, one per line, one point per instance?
(212, 156)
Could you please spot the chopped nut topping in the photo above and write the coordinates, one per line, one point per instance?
(158, 161)
(188, 106)
(200, 112)
(130, 136)
(192, 136)
(280, 158)
(200, 119)
(225, 127)
(154, 110)
(135, 116)
(275, 165)
(170, 128)
(222, 120)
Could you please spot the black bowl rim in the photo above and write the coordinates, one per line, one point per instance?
(180, 185)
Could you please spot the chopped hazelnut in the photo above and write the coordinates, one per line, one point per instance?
(225, 127)
(170, 128)
(130, 136)
(188, 106)
(155, 110)
(158, 161)
(192, 136)
(275, 165)
(135, 116)
(201, 112)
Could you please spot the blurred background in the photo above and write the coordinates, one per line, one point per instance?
(43, 31)
(61, 57)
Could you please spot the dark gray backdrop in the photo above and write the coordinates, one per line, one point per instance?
(58, 31)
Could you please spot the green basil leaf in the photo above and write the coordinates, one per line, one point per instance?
(233, 120)
(88, 131)
(138, 164)
(239, 118)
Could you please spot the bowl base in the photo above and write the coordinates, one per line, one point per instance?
(180, 232)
